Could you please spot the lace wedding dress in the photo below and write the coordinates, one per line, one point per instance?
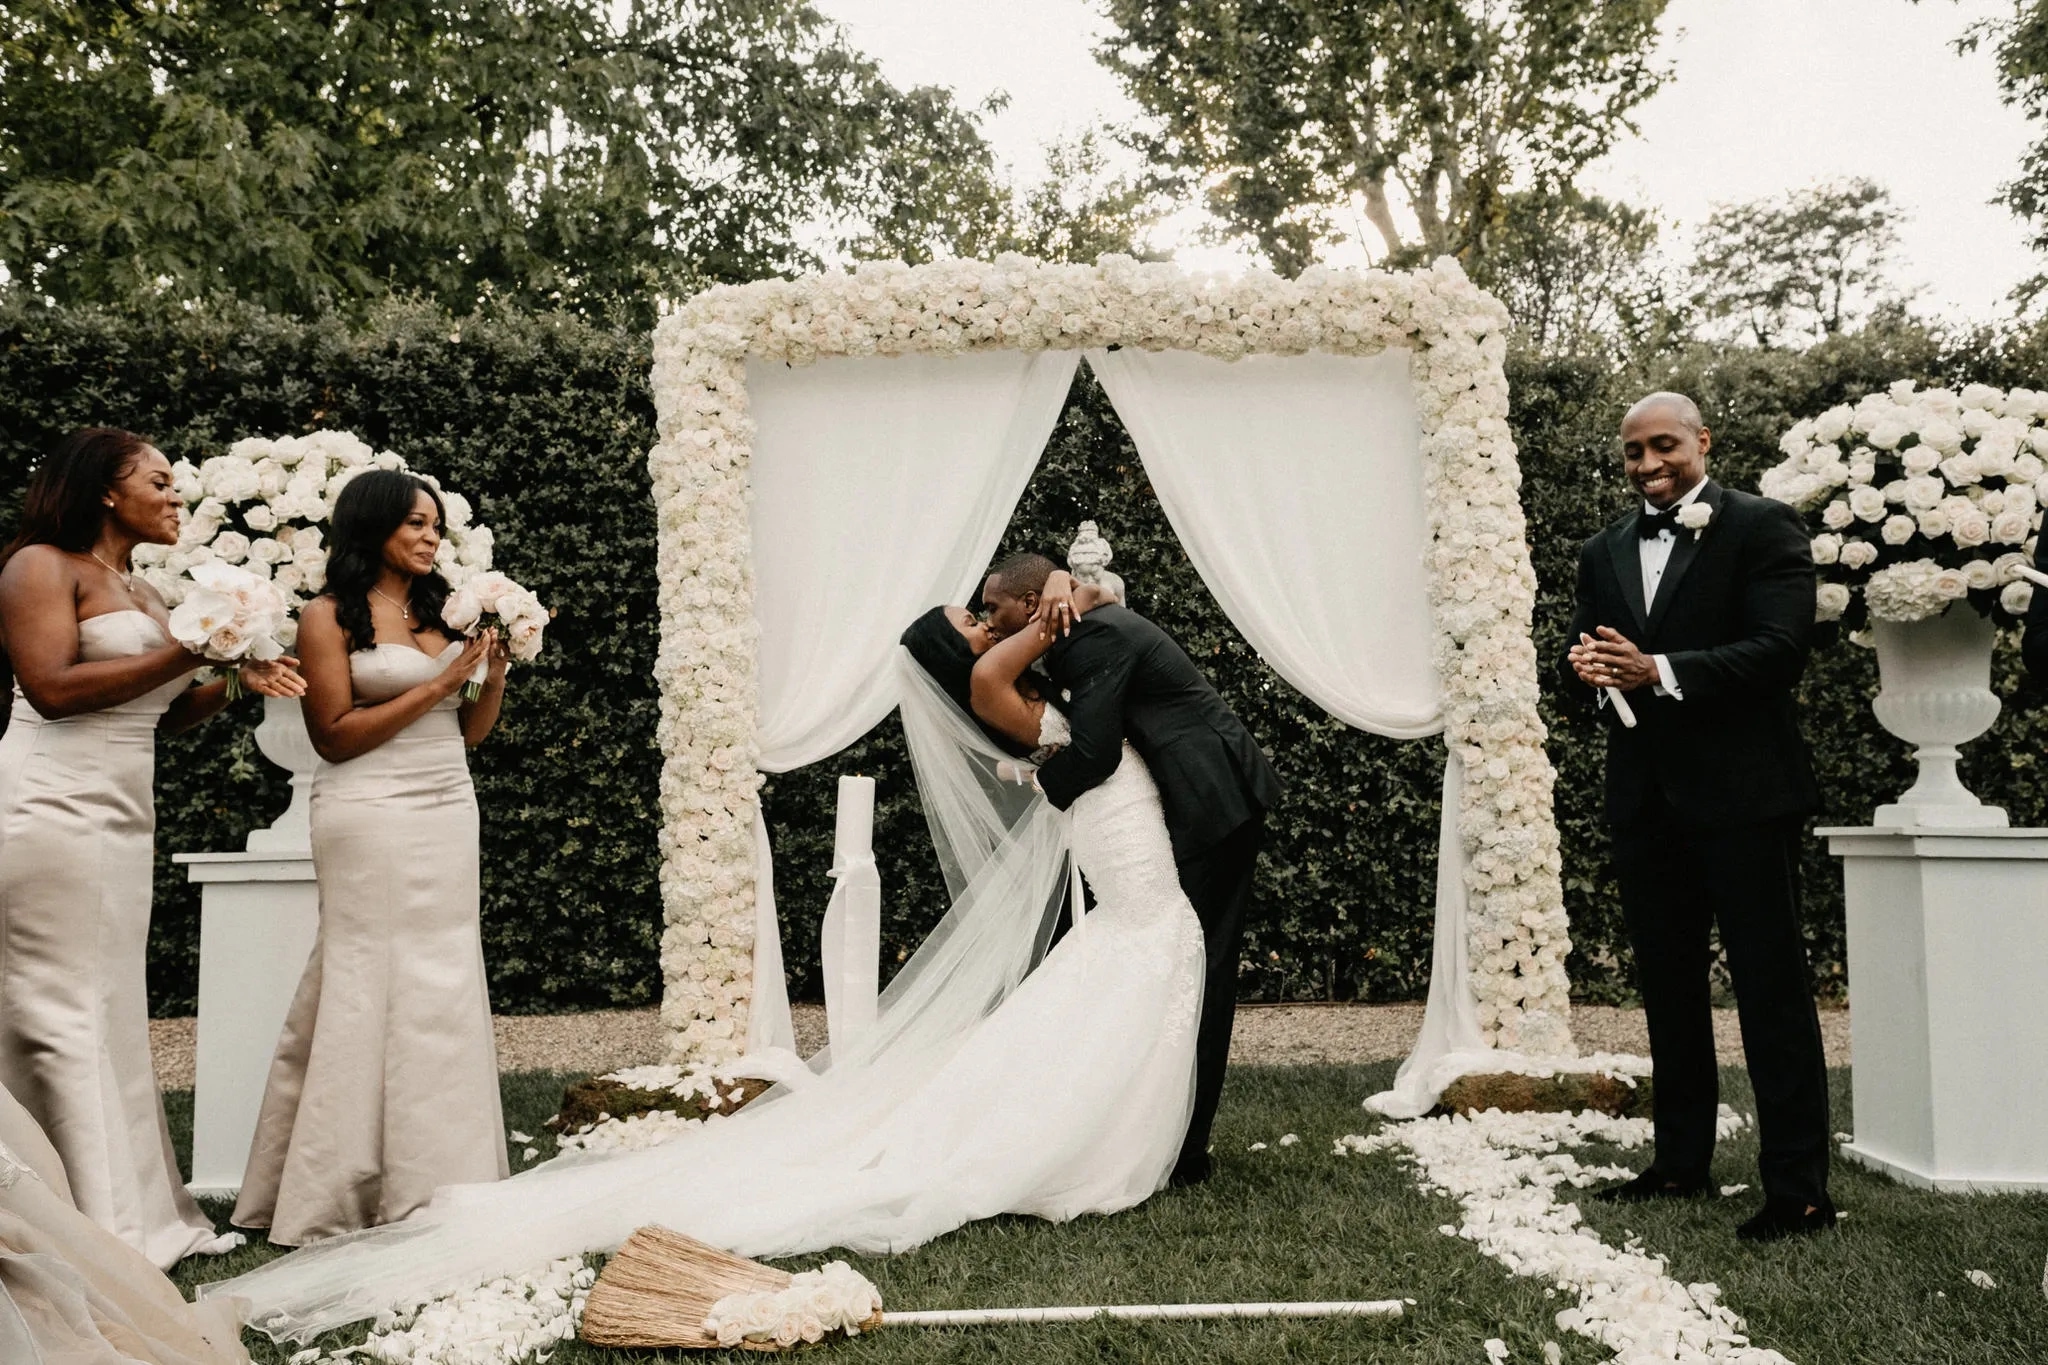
(985, 1089)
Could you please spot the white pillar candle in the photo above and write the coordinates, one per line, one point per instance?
(853, 833)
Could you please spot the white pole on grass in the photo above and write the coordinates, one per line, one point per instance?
(1144, 1312)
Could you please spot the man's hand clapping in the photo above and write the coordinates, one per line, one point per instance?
(1612, 661)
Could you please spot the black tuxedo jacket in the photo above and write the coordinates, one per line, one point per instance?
(2034, 644)
(1734, 615)
(1121, 677)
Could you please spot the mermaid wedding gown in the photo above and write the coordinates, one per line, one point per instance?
(77, 863)
(1069, 1094)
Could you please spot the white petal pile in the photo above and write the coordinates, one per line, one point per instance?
(1505, 1169)
(633, 1134)
(505, 1321)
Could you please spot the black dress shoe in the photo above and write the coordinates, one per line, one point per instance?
(1653, 1184)
(1782, 1218)
(1191, 1171)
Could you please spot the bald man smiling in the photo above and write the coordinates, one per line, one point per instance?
(1697, 605)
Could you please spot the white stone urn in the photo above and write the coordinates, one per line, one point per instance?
(283, 739)
(1935, 693)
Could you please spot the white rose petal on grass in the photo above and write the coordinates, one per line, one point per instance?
(1256, 1147)
(1553, 1354)
(1981, 1278)
(1730, 1191)
(1496, 1350)
(1289, 1139)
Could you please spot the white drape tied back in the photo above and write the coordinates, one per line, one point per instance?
(1295, 483)
(881, 486)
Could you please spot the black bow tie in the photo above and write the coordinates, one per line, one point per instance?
(1650, 525)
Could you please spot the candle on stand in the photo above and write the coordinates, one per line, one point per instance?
(853, 832)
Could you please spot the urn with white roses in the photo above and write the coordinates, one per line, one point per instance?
(1926, 505)
(263, 507)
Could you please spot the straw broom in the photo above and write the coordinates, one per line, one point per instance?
(659, 1288)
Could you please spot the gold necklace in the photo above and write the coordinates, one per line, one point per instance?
(127, 579)
(404, 608)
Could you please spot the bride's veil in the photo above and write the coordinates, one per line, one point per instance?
(797, 1169)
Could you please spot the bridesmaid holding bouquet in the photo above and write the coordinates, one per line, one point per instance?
(385, 1083)
(96, 677)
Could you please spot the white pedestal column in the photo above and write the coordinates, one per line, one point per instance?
(1948, 965)
(258, 914)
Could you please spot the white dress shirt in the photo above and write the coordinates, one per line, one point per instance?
(1656, 555)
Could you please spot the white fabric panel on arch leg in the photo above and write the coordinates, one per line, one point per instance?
(881, 485)
(1295, 482)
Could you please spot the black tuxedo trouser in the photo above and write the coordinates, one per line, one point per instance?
(1218, 880)
(1677, 882)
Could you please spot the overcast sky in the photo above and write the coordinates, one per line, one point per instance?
(1767, 95)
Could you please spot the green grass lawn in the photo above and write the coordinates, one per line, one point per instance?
(1299, 1223)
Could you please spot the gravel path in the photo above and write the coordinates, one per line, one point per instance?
(1266, 1035)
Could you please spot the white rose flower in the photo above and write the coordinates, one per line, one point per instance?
(1857, 554)
(1838, 514)
(1933, 523)
(1900, 529)
(1867, 504)
(1827, 549)
(1832, 425)
(2017, 597)
(231, 547)
(1921, 460)
(1887, 434)
(1952, 584)
(1981, 574)
(1924, 491)
(1830, 601)
(1969, 529)
(2012, 527)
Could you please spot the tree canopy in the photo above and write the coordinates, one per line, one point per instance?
(550, 152)
(1420, 116)
(1799, 266)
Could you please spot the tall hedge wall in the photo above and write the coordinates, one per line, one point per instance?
(545, 421)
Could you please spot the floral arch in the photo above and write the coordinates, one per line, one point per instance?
(1480, 585)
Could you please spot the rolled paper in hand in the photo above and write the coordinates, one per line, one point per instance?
(2032, 574)
(1621, 707)
(853, 833)
(1622, 710)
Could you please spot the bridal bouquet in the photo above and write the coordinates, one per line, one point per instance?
(227, 615)
(492, 600)
(263, 507)
(1920, 498)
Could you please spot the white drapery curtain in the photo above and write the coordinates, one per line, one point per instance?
(1295, 484)
(881, 486)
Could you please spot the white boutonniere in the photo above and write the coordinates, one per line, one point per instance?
(1694, 517)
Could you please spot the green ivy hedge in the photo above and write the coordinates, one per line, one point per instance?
(545, 422)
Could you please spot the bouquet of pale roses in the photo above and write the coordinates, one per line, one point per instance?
(228, 615)
(1920, 498)
(490, 601)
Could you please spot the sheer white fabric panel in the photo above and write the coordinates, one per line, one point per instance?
(1295, 482)
(881, 485)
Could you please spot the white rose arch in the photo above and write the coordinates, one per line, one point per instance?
(837, 453)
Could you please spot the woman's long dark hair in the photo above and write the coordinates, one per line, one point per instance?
(63, 505)
(942, 651)
(374, 505)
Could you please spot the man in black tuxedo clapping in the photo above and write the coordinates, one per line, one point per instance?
(1697, 607)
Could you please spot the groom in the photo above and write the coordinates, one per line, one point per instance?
(1697, 607)
(1121, 677)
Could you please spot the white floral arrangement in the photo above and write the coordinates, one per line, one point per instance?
(263, 507)
(492, 601)
(817, 1303)
(1921, 498)
(227, 614)
(1481, 583)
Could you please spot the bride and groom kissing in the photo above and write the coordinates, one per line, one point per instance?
(1127, 708)
(999, 1077)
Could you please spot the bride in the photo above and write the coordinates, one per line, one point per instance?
(985, 1086)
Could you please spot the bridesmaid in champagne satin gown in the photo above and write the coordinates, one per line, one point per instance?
(385, 1082)
(96, 676)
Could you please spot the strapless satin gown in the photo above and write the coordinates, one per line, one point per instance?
(72, 1293)
(77, 850)
(385, 1083)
